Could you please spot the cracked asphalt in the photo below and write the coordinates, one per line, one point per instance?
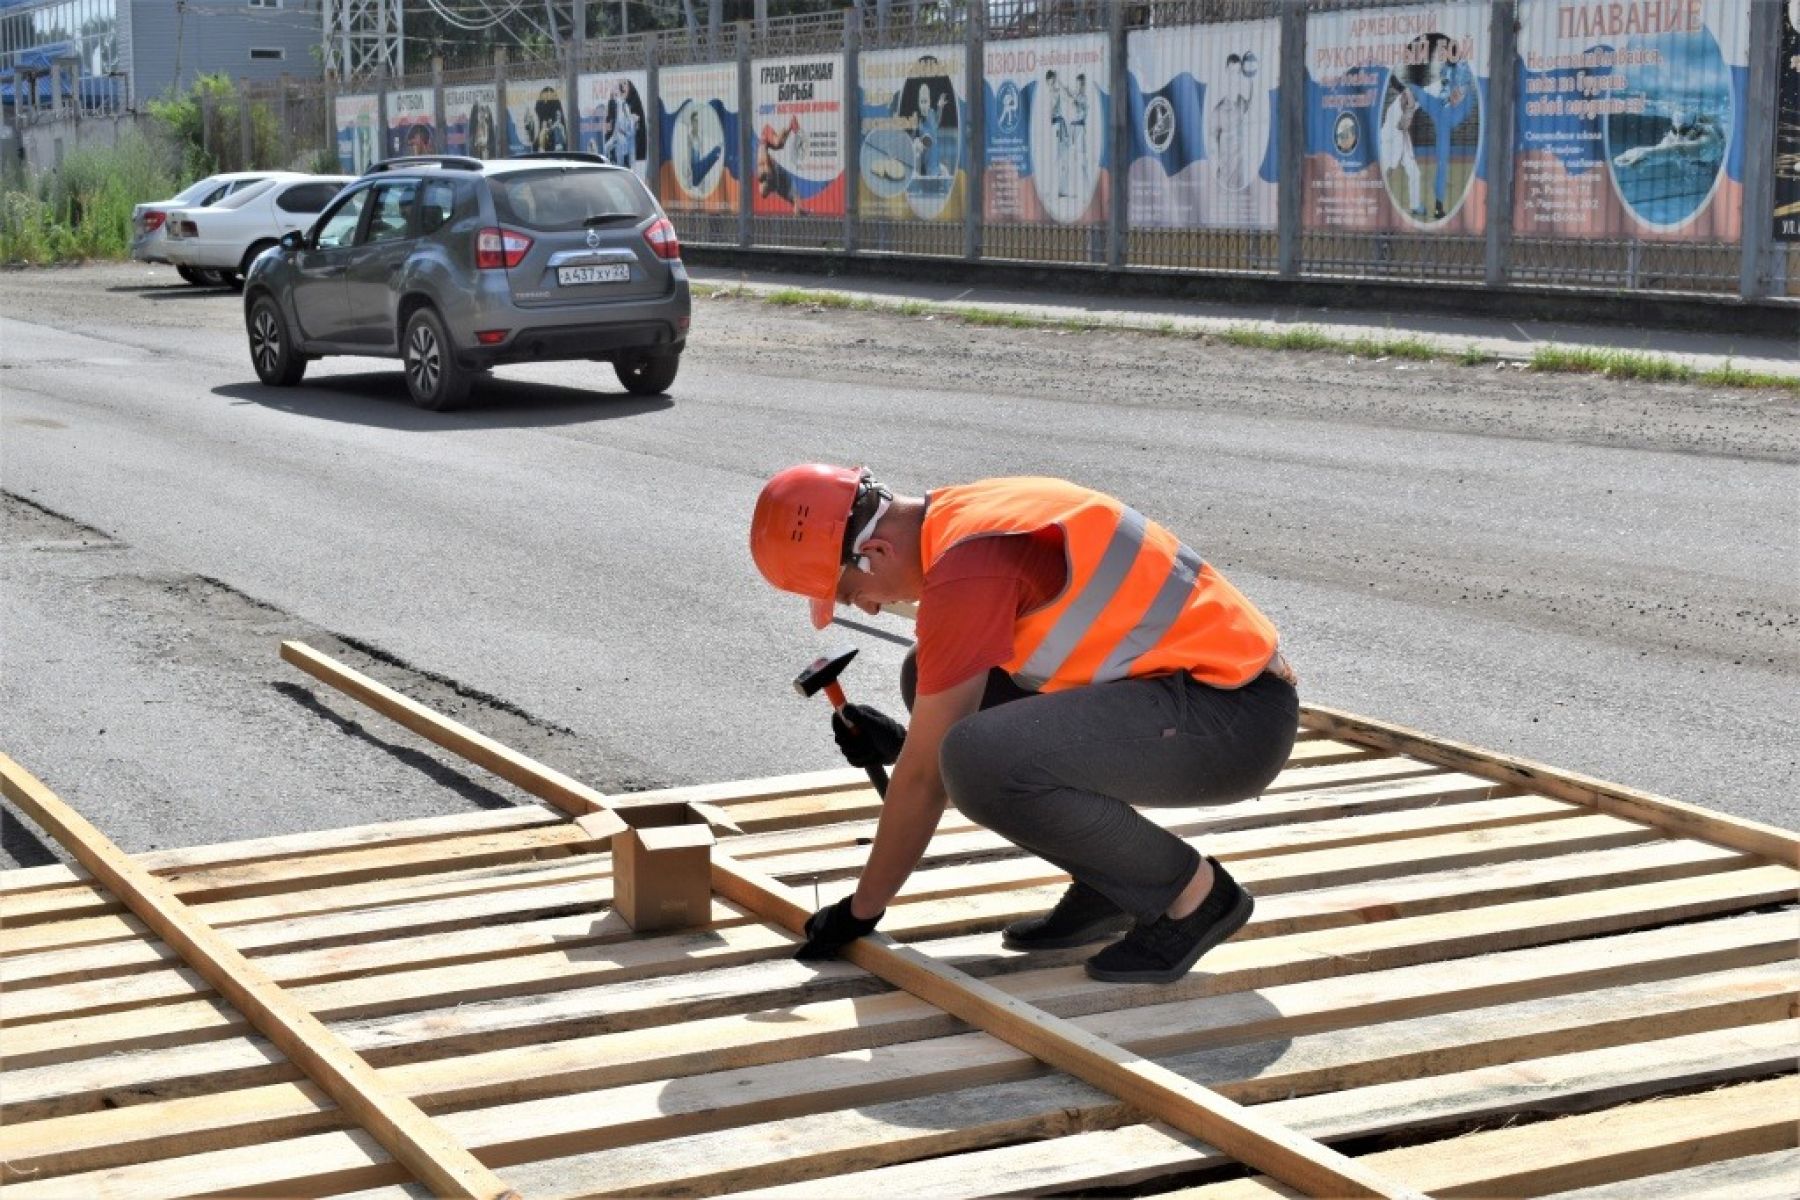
(1596, 574)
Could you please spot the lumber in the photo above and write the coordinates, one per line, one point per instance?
(1771, 1176)
(411, 1137)
(1687, 820)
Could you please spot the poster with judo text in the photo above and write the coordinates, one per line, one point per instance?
(357, 120)
(1046, 109)
(913, 162)
(536, 120)
(1630, 119)
(1787, 128)
(471, 121)
(412, 121)
(701, 169)
(798, 110)
(1396, 114)
(612, 117)
(1204, 127)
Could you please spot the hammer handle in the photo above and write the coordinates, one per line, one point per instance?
(877, 773)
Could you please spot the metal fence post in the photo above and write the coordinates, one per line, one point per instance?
(329, 120)
(283, 158)
(505, 146)
(439, 125)
(975, 135)
(206, 126)
(1759, 151)
(1503, 74)
(746, 139)
(246, 126)
(652, 116)
(381, 113)
(572, 71)
(1118, 133)
(852, 126)
(1290, 188)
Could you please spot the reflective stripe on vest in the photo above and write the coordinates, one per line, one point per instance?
(1102, 586)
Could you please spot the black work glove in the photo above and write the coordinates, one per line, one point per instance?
(832, 928)
(874, 742)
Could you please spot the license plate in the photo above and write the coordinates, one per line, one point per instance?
(608, 273)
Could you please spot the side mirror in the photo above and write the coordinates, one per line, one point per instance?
(292, 240)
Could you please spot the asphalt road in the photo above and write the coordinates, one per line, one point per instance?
(1599, 575)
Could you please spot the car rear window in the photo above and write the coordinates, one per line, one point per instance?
(563, 198)
(245, 195)
(309, 197)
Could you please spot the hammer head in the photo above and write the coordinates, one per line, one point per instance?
(823, 670)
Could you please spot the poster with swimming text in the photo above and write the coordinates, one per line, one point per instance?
(913, 161)
(613, 121)
(1630, 120)
(1396, 111)
(357, 120)
(1204, 125)
(1046, 108)
(701, 167)
(536, 120)
(1787, 128)
(412, 121)
(472, 121)
(797, 106)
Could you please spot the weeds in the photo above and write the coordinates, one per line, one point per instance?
(83, 210)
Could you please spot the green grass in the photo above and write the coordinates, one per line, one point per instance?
(83, 210)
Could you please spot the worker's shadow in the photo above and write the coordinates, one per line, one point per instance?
(380, 399)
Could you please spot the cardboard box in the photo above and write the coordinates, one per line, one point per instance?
(662, 868)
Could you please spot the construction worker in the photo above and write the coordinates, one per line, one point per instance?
(1074, 662)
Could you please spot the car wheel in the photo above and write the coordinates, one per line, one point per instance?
(647, 374)
(197, 278)
(212, 278)
(277, 360)
(251, 256)
(433, 376)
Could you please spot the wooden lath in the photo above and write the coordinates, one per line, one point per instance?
(1265, 1145)
(396, 1122)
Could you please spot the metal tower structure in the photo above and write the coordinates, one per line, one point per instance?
(363, 36)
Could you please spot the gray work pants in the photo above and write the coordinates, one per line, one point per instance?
(1062, 774)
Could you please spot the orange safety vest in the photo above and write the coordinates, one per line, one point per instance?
(1137, 601)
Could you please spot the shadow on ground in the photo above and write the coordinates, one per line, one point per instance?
(379, 398)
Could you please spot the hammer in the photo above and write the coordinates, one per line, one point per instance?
(821, 675)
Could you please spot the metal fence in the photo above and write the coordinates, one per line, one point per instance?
(1476, 142)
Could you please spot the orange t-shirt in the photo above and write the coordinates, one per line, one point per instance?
(974, 596)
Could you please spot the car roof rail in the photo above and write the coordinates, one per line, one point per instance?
(458, 162)
(587, 156)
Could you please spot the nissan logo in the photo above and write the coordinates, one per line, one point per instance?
(593, 239)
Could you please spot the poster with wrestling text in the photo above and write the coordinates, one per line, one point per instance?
(613, 122)
(471, 121)
(1204, 126)
(1046, 109)
(914, 155)
(1396, 111)
(357, 120)
(412, 122)
(700, 161)
(798, 110)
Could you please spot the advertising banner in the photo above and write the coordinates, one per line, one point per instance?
(799, 108)
(1396, 109)
(913, 155)
(1047, 118)
(1203, 125)
(1787, 128)
(412, 122)
(471, 121)
(535, 119)
(612, 117)
(357, 120)
(1631, 119)
(700, 164)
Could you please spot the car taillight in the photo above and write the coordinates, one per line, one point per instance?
(187, 229)
(662, 239)
(498, 249)
(153, 220)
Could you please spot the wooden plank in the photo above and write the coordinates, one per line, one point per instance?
(393, 1120)
(1602, 1147)
(1772, 1176)
(572, 796)
(1687, 820)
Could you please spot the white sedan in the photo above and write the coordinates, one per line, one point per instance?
(228, 236)
(149, 222)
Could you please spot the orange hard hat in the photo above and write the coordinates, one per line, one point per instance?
(797, 531)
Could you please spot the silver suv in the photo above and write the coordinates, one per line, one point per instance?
(456, 265)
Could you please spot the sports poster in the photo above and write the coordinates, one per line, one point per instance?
(701, 170)
(798, 118)
(1787, 128)
(411, 122)
(472, 121)
(1631, 119)
(1396, 102)
(535, 118)
(357, 120)
(1046, 150)
(1203, 125)
(612, 117)
(913, 165)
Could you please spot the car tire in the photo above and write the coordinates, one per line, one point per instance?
(212, 278)
(191, 276)
(277, 360)
(250, 256)
(647, 374)
(433, 376)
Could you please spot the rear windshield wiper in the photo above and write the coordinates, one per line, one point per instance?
(611, 218)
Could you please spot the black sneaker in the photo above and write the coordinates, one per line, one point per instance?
(1082, 915)
(1164, 950)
